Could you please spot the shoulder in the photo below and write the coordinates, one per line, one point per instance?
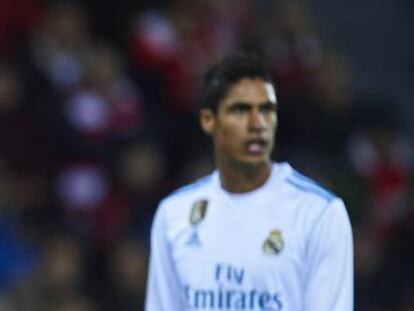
(305, 187)
(190, 190)
(315, 201)
(316, 206)
(177, 201)
(174, 210)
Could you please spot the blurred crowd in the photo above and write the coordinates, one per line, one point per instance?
(98, 121)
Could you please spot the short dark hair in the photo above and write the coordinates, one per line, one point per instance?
(230, 70)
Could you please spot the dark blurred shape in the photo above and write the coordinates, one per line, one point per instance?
(128, 275)
(141, 170)
(17, 18)
(294, 49)
(24, 143)
(57, 283)
(59, 44)
(394, 282)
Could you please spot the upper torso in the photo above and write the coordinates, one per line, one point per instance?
(249, 251)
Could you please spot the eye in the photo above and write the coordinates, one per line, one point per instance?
(239, 109)
(268, 108)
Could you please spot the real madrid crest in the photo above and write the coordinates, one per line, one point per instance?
(198, 212)
(274, 243)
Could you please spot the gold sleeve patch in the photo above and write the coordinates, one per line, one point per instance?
(198, 211)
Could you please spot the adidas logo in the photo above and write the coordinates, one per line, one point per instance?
(194, 240)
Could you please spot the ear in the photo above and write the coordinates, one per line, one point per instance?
(207, 121)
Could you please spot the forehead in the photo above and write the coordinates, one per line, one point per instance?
(250, 90)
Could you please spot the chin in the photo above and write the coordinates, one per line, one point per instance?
(253, 162)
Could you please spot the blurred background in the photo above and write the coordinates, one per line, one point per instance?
(98, 121)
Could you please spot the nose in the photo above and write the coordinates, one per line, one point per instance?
(256, 120)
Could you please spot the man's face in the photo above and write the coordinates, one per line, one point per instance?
(243, 128)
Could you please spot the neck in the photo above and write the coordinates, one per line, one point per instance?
(239, 178)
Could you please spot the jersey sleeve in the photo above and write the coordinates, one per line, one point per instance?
(164, 291)
(329, 278)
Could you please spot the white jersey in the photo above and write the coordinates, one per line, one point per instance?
(284, 246)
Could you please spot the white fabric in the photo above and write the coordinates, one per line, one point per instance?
(220, 263)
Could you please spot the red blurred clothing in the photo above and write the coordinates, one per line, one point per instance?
(17, 18)
(389, 186)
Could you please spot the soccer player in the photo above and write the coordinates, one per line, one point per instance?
(253, 235)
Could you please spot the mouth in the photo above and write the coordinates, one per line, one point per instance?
(256, 146)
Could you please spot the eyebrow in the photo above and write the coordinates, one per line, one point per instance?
(242, 103)
(269, 102)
